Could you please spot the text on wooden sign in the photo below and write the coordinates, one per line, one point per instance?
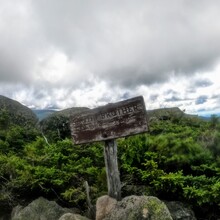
(109, 122)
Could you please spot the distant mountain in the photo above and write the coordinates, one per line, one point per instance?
(43, 113)
(168, 113)
(57, 122)
(56, 125)
(208, 115)
(205, 118)
(19, 114)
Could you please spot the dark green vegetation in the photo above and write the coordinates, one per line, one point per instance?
(179, 159)
(18, 113)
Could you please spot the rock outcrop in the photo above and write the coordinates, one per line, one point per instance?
(179, 211)
(132, 208)
(104, 205)
(107, 208)
(42, 209)
(71, 216)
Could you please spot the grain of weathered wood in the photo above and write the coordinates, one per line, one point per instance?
(111, 164)
(108, 122)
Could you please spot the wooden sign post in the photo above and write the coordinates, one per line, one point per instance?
(112, 172)
(107, 123)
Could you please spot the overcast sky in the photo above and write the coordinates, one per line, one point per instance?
(61, 54)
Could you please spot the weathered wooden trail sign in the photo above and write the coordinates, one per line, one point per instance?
(111, 121)
(107, 123)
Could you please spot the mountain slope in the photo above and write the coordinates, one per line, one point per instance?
(18, 113)
(168, 113)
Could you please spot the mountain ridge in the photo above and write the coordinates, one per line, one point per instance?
(42, 114)
(19, 113)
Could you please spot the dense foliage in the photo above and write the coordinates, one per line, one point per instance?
(179, 159)
(176, 161)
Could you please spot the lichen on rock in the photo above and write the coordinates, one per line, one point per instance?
(138, 208)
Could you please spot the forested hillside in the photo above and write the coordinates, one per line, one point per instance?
(179, 159)
(18, 113)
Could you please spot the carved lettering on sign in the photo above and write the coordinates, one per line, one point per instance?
(111, 121)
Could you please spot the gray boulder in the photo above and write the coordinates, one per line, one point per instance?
(71, 216)
(39, 209)
(137, 208)
(179, 211)
(104, 205)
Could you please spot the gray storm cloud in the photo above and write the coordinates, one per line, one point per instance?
(76, 48)
(132, 43)
(20, 42)
(123, 42)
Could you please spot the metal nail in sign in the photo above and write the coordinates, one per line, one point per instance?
(111, 121)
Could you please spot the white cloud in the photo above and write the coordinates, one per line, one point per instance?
(80, 53)
(56, 69)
